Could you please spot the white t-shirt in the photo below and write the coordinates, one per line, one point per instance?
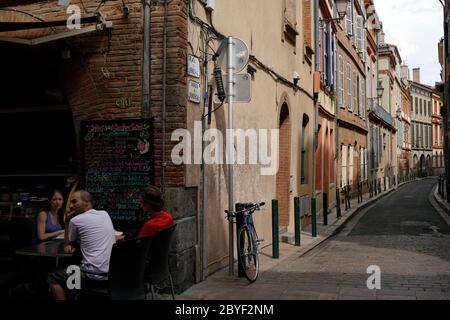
(95, 231)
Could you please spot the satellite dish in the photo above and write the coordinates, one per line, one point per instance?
(240, 57)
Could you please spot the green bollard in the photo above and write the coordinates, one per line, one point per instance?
(298, 225)
(313, 218)
(325, 209)
(338, 204)
(275, 236)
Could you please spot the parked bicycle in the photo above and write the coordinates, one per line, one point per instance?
(247, 240)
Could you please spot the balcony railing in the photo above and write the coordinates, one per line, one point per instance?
(372, 105)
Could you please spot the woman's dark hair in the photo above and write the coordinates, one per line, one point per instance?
(60, 211)
(153, 197)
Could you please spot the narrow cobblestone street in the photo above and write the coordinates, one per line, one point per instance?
(402, 234)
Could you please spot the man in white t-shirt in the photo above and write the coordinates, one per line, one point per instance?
(95, 233)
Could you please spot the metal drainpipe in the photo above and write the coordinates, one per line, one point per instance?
(164, 94)
(203, 167)
(316, 97)
(146, 62)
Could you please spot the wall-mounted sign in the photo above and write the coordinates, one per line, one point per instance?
(118, 162)
(193, 66)
(194, 91)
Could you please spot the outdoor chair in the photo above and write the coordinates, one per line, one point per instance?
(157, 270)
(126, 272)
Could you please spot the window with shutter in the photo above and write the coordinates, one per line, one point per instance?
(348, 19)
(326, 56)
(380, 146)
(349, 87)
(359, 27)
(354, 24)
(355, 93)
(329, 50)
(350, 164)
(344, 165)
(333, 63)
(290, 20)
(376, 145)
(365, 164)
(361, 164)
(364, 45)
(363, 99)
(341, 82)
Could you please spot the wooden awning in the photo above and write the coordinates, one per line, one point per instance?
(20, 27)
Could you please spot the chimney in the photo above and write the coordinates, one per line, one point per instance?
(416, 75)
(405, 72)
(382, 36)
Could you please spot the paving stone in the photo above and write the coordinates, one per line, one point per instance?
(431, 295)
(413, 263)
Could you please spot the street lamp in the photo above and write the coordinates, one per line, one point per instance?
(380, 90)
(341, 8)
(399, 113)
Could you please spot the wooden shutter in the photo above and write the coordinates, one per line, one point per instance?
(344, 165)
(329, 49)
(361, 162)
(290, 13)
(348, 20)
(359, 33)
(341, 82)
(365, 164)
(350, 165)
(334, 63)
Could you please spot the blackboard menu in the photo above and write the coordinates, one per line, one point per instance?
(118, 162)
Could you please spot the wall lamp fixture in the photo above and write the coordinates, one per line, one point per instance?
(341, 8)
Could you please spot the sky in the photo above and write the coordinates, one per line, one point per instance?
(415, 26)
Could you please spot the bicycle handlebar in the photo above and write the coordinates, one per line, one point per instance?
(249, 208)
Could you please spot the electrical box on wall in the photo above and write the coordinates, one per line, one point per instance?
(210, 4)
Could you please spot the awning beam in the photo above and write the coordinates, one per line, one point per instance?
(17, 26)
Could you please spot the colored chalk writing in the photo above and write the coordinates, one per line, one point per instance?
(118, 162)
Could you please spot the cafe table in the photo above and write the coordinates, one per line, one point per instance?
(53, 249)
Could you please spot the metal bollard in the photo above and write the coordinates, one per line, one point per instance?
(313, 218)
(275, 236)
(361, 191)
(325, 209)
(338, 204)
(298, 225)
(349, 197)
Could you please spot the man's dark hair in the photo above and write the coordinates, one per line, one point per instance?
(153, 197)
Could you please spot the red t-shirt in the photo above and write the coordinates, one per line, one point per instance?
(158, 222)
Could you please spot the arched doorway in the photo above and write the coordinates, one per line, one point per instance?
(422, 165)
(284, 171)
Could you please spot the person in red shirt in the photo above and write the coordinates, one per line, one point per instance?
(152, 203)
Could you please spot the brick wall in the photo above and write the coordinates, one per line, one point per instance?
(283, 176)
(177, 33)
(307, 29)
(103, 78)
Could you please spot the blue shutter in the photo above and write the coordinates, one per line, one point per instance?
(333, 63)
(329, 55)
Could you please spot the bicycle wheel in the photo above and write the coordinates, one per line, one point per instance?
(248, 254)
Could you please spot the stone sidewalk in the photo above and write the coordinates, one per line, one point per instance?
(440, 204)
(287, 253)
